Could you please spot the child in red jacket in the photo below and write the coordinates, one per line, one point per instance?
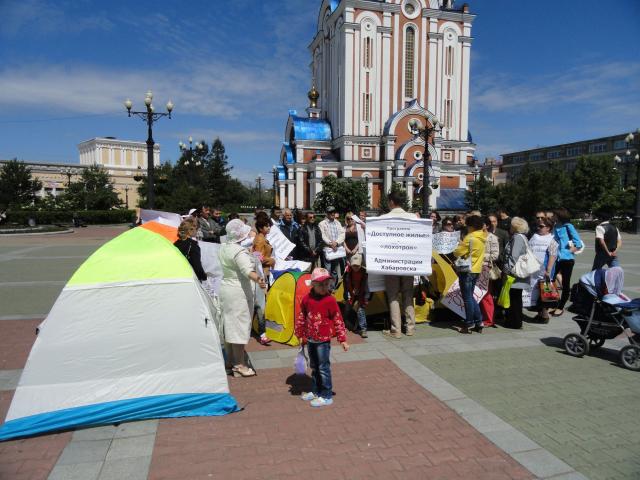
(320, 320)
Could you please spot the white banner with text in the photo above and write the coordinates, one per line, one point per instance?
(399, 246)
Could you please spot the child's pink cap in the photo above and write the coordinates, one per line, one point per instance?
(320, 275)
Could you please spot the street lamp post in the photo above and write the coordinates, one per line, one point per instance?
(191, 156)
(476, 192)
(275, 193)
(126, 196)
(149, 117)
(634, 140)
(259, 180)
(427, 134)
(69, 172)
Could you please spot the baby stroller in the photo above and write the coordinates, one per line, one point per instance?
(603, 312)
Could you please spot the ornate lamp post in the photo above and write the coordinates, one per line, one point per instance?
(126, 196)
(259, 181)
(274, 170)
(427, 134)
(69, 172)
(476, 175)
(634, 140)
(192, 157)
(149, 117)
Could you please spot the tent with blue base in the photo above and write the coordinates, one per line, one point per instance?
(131, 337)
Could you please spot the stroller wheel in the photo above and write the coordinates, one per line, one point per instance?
(630, 357)
(595, 342)
(576, 345)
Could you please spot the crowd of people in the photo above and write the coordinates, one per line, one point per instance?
(490, 252)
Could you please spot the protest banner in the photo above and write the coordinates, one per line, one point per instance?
(330, 254)
(399, 246)
(165, 218)
(527, 298)
(282, 247)
(446, 242)
(453, 299)
(291, 265)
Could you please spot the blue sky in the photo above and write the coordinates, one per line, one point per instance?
(543, 72)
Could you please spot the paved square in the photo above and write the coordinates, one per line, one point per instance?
(504, 404)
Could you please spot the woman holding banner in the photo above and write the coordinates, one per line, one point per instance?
(471, 247)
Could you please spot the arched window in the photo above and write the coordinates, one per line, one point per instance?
(409, 61)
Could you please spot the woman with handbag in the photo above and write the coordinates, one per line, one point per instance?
(545, 248)
(492, 271)
(515, 249)
(569, 244)
(470, 257)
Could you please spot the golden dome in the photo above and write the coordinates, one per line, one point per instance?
(313, 96)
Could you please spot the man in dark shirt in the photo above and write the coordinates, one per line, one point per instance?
(310, 240)
(504, 220)
(290, 228)
(608, 241)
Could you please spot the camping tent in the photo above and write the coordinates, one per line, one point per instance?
(130, 337)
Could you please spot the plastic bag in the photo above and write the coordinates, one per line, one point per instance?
(503, 298)
(300, 364)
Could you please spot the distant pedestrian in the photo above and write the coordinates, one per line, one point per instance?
(608, 242)
(318, 321)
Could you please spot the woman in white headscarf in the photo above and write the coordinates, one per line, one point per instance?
(237, 296)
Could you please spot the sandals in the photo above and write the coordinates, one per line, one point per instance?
(557, 312)
(243, 371)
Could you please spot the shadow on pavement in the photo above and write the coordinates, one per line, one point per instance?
(604, 353)
(298, 384)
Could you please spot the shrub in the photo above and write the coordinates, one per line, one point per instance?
(52, 217)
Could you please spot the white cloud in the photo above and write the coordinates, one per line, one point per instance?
(219, 89)
(609, 88)
(47, 17)
(231, 137)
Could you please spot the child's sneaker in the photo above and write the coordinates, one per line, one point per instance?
(321, 402)
(308, 396)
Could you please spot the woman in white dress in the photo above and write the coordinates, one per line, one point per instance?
(545, 248)
(237, 296)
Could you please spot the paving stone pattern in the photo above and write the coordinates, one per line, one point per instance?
(580, 409)
(382, 425)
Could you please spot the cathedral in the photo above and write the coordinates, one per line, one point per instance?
(379, 69)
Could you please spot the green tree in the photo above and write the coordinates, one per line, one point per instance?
(395, 187)
(94, 191)
(345, 194)
(594, 182)
(482, 196)
(17, 187)
(218, 174)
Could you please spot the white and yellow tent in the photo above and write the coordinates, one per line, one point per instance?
(130, 337)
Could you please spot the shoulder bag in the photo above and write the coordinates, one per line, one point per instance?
(463, 264)
(527, 263)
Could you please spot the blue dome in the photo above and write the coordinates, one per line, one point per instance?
(310, 129)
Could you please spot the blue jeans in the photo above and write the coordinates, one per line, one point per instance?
(471, 307)
(362, 318)
(320, 368)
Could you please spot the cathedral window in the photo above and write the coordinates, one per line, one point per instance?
(366, 107)
(366, 61)
(409, 62)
